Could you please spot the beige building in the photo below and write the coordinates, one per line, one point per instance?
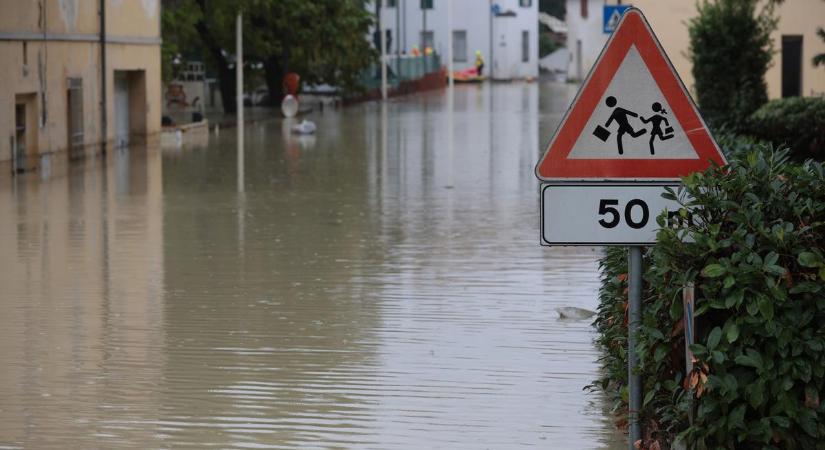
(795, 40)
(72, 82)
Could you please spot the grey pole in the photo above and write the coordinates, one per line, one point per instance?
(383, 41)
(239, 96)
(634, 379)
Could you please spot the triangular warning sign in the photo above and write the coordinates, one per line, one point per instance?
(632, 117)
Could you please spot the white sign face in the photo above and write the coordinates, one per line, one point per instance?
(603, 214)
(633, 117)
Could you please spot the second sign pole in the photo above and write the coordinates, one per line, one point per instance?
(633, 322)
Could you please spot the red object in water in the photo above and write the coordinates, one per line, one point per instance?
(291, 83)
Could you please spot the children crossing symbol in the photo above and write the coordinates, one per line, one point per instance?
(620, 116)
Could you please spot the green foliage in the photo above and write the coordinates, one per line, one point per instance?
(736, 146)
(798, 122)
(556, 8)
(755, 250)
(819, 59)
(546, 45)
(177, 28)
(730, 48)
(324, 41)
(611, 324)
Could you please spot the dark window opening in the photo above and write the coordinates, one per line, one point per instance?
(791, 66)
(460, 46)
(525, 46)
(75, 119)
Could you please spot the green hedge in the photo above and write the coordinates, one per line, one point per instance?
(797, 122)
(730, 52)
(755, 253)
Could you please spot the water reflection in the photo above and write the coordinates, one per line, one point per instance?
(82, 279)
(379, 285)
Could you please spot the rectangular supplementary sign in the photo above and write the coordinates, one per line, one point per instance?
(602, 213)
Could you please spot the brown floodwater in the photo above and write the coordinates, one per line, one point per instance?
(379, 285)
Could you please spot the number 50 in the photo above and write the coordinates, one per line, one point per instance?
(607, 207)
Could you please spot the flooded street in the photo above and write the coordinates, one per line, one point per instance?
(377, 286)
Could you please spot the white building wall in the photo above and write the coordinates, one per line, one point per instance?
(585, 38)
(406, 21)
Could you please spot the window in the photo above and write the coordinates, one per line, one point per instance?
(525, 46)
(583, 4)
(460, 46)
(390, 3)
(525, 3)
(426, 4)
(75, 122)
(427, 40)
(791, 66)
(19, 135)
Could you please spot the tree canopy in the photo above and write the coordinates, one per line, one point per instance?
(324, 41)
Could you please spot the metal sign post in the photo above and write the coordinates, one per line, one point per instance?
(688, 304)
(634, 319)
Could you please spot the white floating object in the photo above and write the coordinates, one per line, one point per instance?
(289, 106)
(305, 127)
(571, 312)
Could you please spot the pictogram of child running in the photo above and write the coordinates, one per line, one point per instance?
(660, 127)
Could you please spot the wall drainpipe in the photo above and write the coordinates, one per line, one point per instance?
(103, 100)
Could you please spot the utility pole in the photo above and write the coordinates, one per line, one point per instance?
(450, 43)
(239, 96)
(383, 40)
(398, 28)
(490, 63)
(424, 25)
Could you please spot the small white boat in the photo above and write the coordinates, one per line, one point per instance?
(305, 127)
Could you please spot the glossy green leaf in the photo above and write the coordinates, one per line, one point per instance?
(765, 307)
(714, 337)
(713, 270)
(733, 333)
(809, 259)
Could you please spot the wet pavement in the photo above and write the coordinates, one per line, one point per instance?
(377, 286)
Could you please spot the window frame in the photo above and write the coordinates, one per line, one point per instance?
(456, 57)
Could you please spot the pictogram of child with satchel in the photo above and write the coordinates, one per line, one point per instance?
(657, 120)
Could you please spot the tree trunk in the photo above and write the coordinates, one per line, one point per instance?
(226, 76)
(226, 81)
(274, 71)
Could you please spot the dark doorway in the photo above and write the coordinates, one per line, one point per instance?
(19, 155)
(791, 66)
(75, 119)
